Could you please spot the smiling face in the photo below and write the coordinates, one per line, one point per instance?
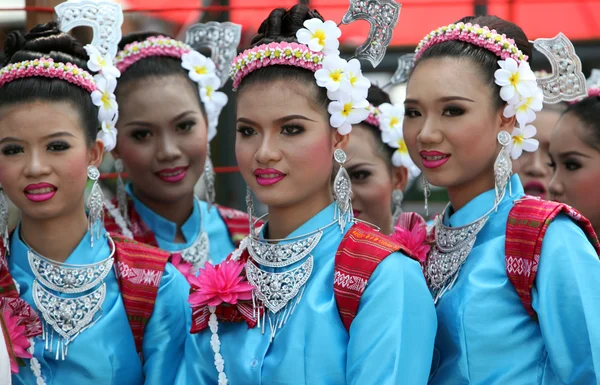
(534, 167)
(451, 125)
(576, 160)
(162, 137)
(284, 144)
(44, 158)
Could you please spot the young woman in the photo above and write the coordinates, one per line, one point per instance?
(285, 147)
(575, 155)
(378, 163)
(168, 110)
(460, 108)
(103, 302)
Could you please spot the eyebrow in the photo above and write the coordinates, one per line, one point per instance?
(149, 124)
(359, 165)
(280, 120)
(51, 136)
(571, 153)
(442, 99)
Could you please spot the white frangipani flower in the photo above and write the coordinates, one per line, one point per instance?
(346, 112)
(320, 36)
(104, 97)
(199, 66)
(102, 64)
(390, 121)
(526, 108)
(516, 79)
(331, 75)
(209, 94)
(522, 140)
(354, 82)
(401, 158)
(108, 135)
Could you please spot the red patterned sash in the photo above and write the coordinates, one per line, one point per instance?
(527, 223)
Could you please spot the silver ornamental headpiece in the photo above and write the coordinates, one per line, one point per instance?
(221, 38)
(383, 16)
(566, 83)
(104, 17)
(594, 79)
(405, 65)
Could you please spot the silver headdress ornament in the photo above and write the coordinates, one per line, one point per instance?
(105, 19)
(221, 38)
(566, 83)
(405, 65)
(383, 16)
(594, 79)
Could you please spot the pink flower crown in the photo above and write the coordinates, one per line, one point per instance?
(46, 67)
(279, 53)
(502, 46)
(152, 46)
(373, 118)
(593, 91)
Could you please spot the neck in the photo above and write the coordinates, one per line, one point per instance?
(284, 220)
(177, 211)
(54, 238)
(462, 194)
(388, 224)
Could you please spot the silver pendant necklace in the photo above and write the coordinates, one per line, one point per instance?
(69, 297)
(199, 252)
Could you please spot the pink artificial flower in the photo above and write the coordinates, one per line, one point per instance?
(411, 232)
(18, 341)
(218, 284)
(184, 267)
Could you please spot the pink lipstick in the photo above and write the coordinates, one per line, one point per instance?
(535, 188)
(268, 176)
(40, 192)
(434, 159)
(172, 175)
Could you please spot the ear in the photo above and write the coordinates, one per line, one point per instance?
(399, 178)
(506, 124)
(115, 153)
(340, 141)
(96, 153)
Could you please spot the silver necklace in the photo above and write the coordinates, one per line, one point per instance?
(199, 252)
(68, 297)
(277, 294)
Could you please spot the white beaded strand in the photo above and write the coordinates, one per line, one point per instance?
(35, 366)
(215, 344)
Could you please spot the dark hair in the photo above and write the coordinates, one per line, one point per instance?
(485, 59)
(46, 40)
(153, 66)
(377, 97)
(281, 26)
(588, 111)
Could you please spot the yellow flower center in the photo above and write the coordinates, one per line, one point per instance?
(347, 109)
(402, 147)
(353, 79)
(514, 79)
(209, 91)
(202, 70)
(518, 140)
(106, 99)
(394, 122)
(320, 34)
(336, 75)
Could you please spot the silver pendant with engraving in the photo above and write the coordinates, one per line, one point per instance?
(451, 249)
(199, 252)
(281, 255)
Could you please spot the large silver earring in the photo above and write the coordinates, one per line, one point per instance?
(502, 167)
(208, 178)
(95, 205)
(426, 193)
(397, 197)
(250, 210)
(342, 191)
(121, 193)
(4, 220)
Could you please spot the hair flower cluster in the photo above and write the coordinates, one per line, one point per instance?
(104, 94)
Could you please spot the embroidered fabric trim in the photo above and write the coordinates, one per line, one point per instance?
(350, 282)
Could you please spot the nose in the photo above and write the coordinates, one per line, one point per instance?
(168, 149)
(430, 133)
(36, 166)
(268, 152)
(556, 188)
(535, 165)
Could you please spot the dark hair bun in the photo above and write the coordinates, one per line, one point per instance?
(377, 96)
(44, 40)
(282, 24)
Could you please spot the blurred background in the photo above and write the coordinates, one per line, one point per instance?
(578, 19)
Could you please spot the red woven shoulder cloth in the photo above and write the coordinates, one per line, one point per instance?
(527, 223)
(362, 249)
(139, 270)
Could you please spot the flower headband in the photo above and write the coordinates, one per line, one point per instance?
(518, 82)
(100, 86)
(317, 51)
(388, 118)
(201, 69)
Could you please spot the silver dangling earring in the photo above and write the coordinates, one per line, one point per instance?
(342, 191)
(208, 178)
(95, 205)
(397, 197)
(426, 193)
(121, 193)
(502, 167)
(4, 220)
(250, 210)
